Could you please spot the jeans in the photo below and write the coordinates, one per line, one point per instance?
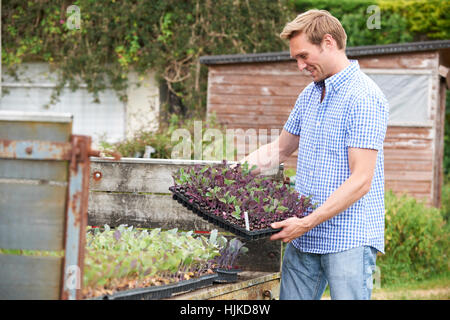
(304, 276)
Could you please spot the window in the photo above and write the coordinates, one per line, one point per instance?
(408, 93)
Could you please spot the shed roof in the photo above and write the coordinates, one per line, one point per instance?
(351, 52)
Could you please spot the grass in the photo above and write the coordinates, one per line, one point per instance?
(436, 288)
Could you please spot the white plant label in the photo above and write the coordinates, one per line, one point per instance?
(247, 225)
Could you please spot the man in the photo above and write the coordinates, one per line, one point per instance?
(338, 125)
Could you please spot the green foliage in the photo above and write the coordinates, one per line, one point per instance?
(417, 241)
(159, 140)
(121, 36)
(33, 253)
(164, 141)
(113, 255)
(425, 19)
(229, 254)
(445, 198)
(447, 135)
(401, 21)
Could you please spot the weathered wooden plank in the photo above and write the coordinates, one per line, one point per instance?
(245, 110)
(252, 100)
(408, 186)
(35, 170)
(407, 154)
(142, 210)
(132, 177)
(417, 60)
(128, 175)
(259, 121)
(29, 278)
(247, 126)
(253, 90)
(402, 175)
(408, 144)
(411, 165)
(32, 216)
(253, 291)
(250, 286)
(280, 68)
(296, 81)
(409, 132)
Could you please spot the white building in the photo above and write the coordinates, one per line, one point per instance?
(110, 120)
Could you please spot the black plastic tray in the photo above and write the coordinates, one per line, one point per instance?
(237, 230)
(226, 276)
(161, 292)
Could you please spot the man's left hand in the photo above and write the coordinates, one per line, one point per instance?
(292, 229)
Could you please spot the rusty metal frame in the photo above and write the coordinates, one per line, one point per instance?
(35, 150)
(77, 152)
(76, 217)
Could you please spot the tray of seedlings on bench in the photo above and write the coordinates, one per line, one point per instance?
(237, 201)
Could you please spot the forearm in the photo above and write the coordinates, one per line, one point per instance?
(353, 189)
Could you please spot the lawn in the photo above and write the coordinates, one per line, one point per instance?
(436, 288)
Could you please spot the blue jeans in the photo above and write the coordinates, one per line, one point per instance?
(304, 276)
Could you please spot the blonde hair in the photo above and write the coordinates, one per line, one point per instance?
(315, 24)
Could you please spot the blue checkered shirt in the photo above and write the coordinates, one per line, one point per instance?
(354, 113)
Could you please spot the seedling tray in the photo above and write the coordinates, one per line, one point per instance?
(226, 276)
(165, 291)
(219, 221)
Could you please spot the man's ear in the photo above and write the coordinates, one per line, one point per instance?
(328, 41)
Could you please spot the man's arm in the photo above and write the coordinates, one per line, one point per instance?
(274, 153)
(362, 166)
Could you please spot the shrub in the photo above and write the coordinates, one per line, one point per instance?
(416, 240)
(447, 137)
(445, 199)
(161, 140)
(401, 21)
(167, 36)
(353, 16)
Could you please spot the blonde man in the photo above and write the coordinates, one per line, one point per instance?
(338, 125)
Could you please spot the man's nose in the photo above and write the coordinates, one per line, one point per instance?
(301, 65)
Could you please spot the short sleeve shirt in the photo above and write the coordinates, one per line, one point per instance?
(353, 114)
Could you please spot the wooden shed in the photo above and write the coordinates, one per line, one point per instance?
(256, 93)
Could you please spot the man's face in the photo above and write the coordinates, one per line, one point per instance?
(311, 57)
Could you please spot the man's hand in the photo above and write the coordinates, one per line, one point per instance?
(292, 229)
(272, 154)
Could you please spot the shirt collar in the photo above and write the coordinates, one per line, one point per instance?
(338, 79)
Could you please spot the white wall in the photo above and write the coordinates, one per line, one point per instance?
(110, 120)
(143, 104)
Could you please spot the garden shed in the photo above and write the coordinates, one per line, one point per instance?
(256, 93)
